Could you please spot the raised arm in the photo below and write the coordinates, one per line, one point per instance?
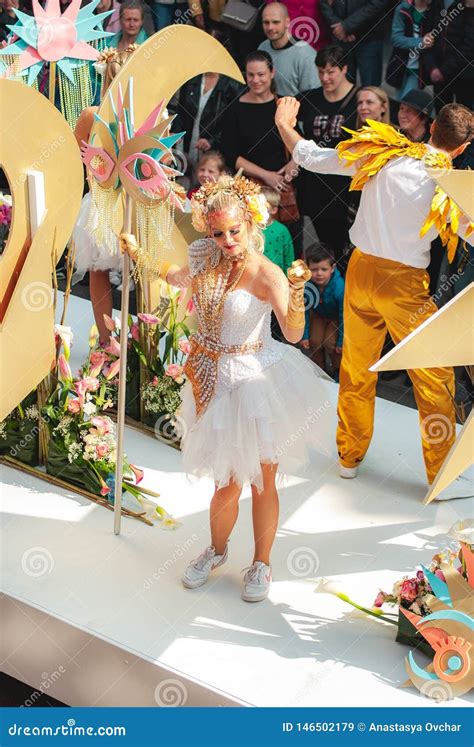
(305, 152)
(179, 277)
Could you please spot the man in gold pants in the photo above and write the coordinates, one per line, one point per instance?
(387, 285)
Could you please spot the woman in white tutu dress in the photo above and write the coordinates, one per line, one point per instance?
(251, 405)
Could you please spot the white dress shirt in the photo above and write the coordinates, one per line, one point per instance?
(393, 207)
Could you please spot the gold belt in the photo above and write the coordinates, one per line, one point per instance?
(201, 365)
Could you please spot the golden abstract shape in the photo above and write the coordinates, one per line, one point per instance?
(458, 460)
(459, 185)
(35, 137)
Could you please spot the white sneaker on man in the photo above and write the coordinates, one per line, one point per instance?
(348, 472)
(461, 487)
(257, 582)
(197, 572)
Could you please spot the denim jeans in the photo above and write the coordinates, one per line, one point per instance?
(410, 82)
(166, 15)
(367, 59)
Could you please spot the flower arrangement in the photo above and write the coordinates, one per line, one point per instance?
(19, 432)
(6, 207)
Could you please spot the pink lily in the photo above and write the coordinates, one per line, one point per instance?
(150, 319)
(109, 323)
(105, 490)
(102, 425)
(113, 347)
(135, 332)
(65, 373)
(87, 384)
(139, 473)
(93, 336)
(182, 296)
(190, 306)
(113, 370)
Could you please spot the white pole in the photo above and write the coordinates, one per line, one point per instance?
(127, 228)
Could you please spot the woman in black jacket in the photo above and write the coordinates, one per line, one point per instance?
(201, 106)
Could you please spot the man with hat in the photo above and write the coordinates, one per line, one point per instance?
(415, 115)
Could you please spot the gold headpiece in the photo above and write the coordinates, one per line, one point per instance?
(247, 193)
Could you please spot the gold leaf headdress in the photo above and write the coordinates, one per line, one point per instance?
(247, 193)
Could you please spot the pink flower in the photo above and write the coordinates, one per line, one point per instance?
(154, 380)
(379, 599)
(97, 356)
(181, 296)
(190, 306)
(409, 590)
(139, 473)
(109, 323)
(101, 450)
(74, 405)
(65, 373)
(113, 370)
(113, 347)
(87, 384)
(174, 371)
(135, 331)
(102, 425)
(104, 489)
(185, 346)
(150, 319)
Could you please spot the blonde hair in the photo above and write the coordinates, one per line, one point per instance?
(382, 96)
(272, 196)
(213, 155)
(230, 193)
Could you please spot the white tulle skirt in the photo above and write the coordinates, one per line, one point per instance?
(90, 255)
(281, 415)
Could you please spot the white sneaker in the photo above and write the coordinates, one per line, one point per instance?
(115, 277)
(461, 487)
(197, 572)
(257, 582)
(131, 285)
(348, 472)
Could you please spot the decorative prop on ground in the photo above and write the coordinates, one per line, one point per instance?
(435, 616)
(129, 149)
(60, 42)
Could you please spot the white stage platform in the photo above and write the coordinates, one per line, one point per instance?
(96, 619)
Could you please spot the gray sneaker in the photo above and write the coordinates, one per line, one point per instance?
(257, 582)
(197, 572)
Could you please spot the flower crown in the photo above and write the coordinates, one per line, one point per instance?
(248, 194)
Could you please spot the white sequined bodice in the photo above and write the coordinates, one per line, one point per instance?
(246, 319)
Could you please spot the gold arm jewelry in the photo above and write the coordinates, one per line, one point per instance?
(129, 244)
(298, 274)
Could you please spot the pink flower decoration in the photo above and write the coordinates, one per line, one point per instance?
(139, 473)
(113, 370)
(74, 406)
(65, 373)
(150, 319)
(155, 380)
(409, 590)
(190, 306)
(113, 347)
(102, 450)
(185, 346)
(109, 323)
(174, 370)
(104, 490)
(135, 332)
(102, 425)
(379, 599)
(87, 384)
(97, 357)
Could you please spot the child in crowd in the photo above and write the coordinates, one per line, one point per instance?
(278, 242)
(210, 167)
(324, 300)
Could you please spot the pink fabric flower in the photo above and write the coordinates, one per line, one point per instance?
(185, 346)
(174, 370)
(101, 450)
(74, 406)
(150, 319)
(135, 332)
